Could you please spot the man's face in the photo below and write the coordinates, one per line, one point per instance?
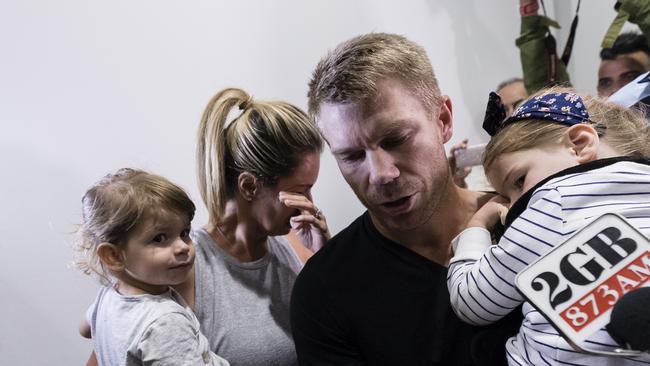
(511, 95)
(391, 153)
(615, 74)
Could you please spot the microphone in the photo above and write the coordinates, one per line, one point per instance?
(629, 323)
(596, 274)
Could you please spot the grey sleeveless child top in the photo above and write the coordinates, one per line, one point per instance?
(243, 308)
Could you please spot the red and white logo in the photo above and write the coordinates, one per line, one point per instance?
(577, 283)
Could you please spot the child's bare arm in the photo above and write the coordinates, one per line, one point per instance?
(92, 360)
(84, 329)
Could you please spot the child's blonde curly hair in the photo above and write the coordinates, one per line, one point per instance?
(115, 205)
(624, 129)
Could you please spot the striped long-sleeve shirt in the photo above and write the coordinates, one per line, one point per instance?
(481, 276)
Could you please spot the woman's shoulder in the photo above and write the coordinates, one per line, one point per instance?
(207, 249)
(200, 236)
(280, 248)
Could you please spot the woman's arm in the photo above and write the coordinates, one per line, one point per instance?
(303, 253)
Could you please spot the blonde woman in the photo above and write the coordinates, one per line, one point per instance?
(257, 162)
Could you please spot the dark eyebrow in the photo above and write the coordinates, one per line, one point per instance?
(631, 72)
(399, 127)
(345, 151)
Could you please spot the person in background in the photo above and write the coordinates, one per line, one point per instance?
(376, 294)
(629, 56)
(512, 92)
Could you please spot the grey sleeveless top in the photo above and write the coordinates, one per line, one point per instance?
(243, 308)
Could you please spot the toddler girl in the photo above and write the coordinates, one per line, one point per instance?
(560, 160)
(136, 237)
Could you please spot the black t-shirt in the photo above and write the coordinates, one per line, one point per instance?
(366, 300)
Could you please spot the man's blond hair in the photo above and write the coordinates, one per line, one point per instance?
(350, 72)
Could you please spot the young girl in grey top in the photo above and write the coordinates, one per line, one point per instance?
(136, 237)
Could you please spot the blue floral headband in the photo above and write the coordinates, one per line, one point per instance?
(565, 108)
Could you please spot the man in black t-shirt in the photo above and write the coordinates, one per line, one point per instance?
(376, 294)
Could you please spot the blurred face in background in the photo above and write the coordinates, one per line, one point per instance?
(615, 74)
(512, 95)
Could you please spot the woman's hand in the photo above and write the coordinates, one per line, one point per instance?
(490, 213)
(310, 226)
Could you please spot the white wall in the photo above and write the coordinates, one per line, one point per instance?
(89, 86)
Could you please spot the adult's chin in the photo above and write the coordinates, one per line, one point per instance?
(402, 220)
(399, 223)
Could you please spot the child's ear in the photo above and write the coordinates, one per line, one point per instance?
(111, 256)
(584, 142)
(247, 185)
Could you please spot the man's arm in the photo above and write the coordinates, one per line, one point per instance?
(317, 330)
(481, 277)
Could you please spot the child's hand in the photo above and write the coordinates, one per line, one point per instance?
(310, 226)
(490, 213)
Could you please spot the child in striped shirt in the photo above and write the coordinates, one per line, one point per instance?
(560, 160)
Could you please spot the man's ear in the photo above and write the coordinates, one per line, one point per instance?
(111, 256)
(445, 118)
(247, 185)
(584, 142)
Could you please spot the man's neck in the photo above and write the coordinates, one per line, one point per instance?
(432, 239)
